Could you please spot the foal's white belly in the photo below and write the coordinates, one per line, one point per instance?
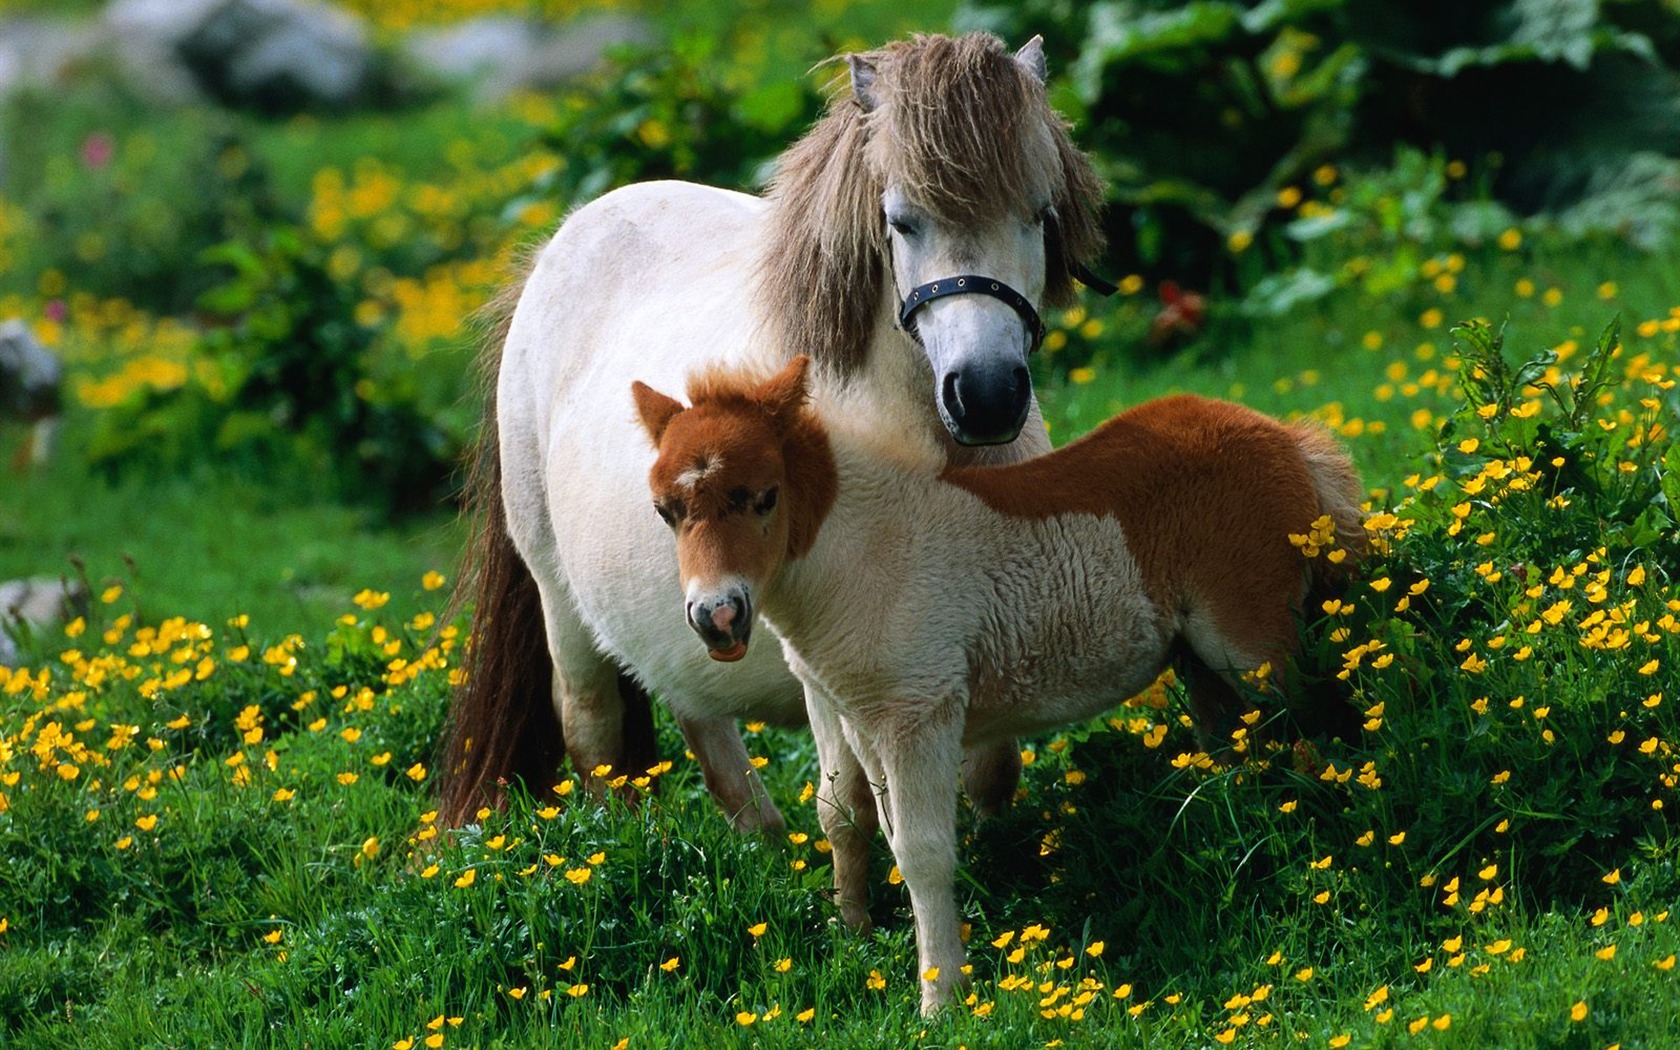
(1033, 624)
(1075, 633)
(651, 282)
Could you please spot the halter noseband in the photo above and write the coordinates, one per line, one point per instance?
(970, 284)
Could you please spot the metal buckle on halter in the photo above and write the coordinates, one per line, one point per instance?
(970, 284)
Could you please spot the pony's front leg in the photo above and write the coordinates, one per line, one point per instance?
(729, 774)
(920, 764)
(846, 811)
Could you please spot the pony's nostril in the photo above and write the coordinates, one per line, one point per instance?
(951, 395)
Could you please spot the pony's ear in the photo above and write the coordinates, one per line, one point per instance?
(784, 394)
(1031, 57)
(655, 409)
(863, 82)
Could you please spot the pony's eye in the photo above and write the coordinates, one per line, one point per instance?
(767, 501)
(902, 227)
(669, 512)
(1046, 215)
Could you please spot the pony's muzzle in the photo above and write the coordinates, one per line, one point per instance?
(985, 406)
(724, 622)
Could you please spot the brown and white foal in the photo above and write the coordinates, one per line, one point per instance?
(926, 607)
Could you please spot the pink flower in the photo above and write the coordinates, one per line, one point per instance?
(97, 150)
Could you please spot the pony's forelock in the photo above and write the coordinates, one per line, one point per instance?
(961, 128)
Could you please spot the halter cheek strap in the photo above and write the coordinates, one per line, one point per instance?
(970, 284)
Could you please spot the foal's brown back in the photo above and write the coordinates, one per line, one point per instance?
(1208, 493)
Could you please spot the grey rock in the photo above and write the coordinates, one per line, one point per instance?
(272, 55)
(503, 55)
(30, 375)
(33, 605)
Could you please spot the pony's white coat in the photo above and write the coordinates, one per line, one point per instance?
(649, 280)
(653, 281)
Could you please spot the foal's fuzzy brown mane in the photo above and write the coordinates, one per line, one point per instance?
(962, 127)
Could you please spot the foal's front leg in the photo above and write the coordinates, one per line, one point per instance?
(846, 811)
(920, 764)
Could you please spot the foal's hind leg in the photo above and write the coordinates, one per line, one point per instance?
(990, 775)
(1226, 640)
(1215, 704)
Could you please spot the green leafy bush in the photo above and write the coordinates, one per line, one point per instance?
(287, 383)
(121, 198)
(678, 112)
(1204, 112)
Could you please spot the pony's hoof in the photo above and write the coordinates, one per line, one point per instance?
(856, 917)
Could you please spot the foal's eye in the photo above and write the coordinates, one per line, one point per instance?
(669, 512)
(767, 500)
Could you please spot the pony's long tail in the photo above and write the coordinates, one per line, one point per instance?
(502, 723)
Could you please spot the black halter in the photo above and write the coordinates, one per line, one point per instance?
(970, 284)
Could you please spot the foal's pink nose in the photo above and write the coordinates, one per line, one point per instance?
(723, 616)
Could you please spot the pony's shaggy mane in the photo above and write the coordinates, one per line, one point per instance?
(965, 130)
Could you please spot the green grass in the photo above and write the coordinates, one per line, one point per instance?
(215, 544)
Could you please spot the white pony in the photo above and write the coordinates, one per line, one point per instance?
(943, 172)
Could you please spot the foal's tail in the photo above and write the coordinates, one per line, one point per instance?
(1340, 493)
(502, 724)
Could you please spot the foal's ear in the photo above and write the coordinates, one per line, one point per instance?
(784, 394)
(863, 82)
(655, 409)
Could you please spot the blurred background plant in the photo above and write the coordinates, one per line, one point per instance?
(1260, 158)
(1215, 119)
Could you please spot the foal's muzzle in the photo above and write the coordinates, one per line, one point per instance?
(724, 622)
